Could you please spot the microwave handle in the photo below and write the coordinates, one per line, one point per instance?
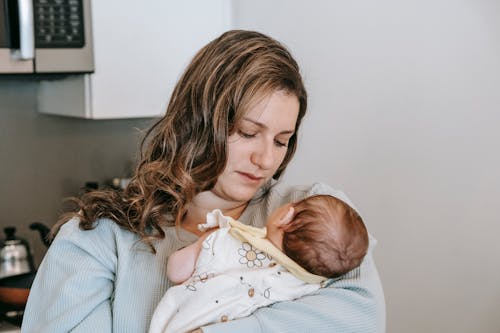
(26, 30)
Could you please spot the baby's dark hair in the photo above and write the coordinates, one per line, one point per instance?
(327, 237)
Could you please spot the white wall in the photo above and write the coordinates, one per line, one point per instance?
(404, 117)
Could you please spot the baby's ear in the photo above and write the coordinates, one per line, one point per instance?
(288, 217)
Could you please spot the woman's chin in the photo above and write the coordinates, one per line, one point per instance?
(240, 194)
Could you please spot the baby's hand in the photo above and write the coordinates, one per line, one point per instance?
(276, 224)
(288, 217)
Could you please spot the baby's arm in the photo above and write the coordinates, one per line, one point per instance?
(181, 263)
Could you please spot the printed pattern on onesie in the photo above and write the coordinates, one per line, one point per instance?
(245, 277)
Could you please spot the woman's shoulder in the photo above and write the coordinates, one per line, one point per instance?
(289, 192)
(106, 244)
(105, 232)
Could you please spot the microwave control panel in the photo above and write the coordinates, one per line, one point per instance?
(58, 23)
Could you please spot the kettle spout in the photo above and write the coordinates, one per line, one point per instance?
(44, 232)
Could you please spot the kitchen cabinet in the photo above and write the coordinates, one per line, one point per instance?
(140, 51)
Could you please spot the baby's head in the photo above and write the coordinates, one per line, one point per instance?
(325, 236)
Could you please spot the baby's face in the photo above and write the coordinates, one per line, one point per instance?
(279, 218)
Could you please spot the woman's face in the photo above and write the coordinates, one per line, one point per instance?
(257, 147)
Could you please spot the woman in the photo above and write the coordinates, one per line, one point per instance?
(229, 132)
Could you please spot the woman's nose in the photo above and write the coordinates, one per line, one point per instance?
(264, 156)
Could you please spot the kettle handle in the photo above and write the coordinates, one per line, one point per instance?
(44, 232)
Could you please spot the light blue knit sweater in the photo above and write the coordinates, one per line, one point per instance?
(104, 280)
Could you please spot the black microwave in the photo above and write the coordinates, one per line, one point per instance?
(45, 36)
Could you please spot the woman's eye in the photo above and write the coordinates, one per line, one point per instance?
(281, 143)
(246, 135)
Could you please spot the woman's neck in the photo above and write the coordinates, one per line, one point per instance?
(204, 203)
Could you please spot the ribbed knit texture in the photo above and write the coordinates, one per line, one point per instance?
(104, 280)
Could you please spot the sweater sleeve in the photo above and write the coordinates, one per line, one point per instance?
(352, 303)
(74, 284)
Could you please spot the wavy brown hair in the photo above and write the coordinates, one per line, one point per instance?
(326, 236)
(184, 152)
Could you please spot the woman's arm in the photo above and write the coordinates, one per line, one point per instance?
(73, 287)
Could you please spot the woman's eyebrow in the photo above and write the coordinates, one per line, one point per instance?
(261, 125)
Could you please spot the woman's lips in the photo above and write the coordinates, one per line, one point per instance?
(250, 177)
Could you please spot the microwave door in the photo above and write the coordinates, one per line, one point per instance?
(17, 42)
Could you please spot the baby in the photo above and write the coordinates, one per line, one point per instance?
(235, 269)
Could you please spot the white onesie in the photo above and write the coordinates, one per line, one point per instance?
(232, 278)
